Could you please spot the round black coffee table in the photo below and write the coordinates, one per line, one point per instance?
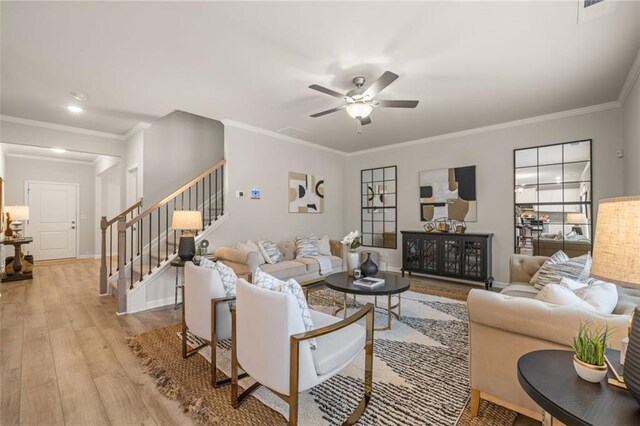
(549, 378)
(393, 285)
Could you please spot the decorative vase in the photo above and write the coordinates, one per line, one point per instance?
(352, 261)
(632, 358)
(588, 372)
(368, 267)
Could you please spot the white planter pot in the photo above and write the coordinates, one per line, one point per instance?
(590, 373)
(353, 261)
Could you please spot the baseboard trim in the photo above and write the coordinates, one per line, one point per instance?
(87, 256)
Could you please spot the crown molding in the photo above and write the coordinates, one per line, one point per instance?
(237, 124)
(634, 72)
(135, 129)
(53, 126)
(499, 126)
(44, 158)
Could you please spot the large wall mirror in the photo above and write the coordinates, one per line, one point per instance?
(379, 208)
(553, 199)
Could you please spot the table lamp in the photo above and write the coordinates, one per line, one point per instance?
(615, 259)
(15, 216)
(187, 221)
(577, 220)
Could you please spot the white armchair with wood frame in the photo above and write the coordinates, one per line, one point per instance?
(205, 313)
(271, 345)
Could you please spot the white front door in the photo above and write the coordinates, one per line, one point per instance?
(52, 220)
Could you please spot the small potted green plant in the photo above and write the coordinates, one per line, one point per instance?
(589, 346)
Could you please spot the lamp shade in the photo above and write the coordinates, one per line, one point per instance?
(576, 218)
(186, 220)
(617, 239)
(17, 213)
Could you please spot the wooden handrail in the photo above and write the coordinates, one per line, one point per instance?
(175, 193)
(105, 225)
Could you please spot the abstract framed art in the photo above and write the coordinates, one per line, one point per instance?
(449, 193)
(306, 193)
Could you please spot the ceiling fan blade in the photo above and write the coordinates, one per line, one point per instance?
(385, 79)
(329, 111)
(396, 104)
(327, 91)
(365, 121)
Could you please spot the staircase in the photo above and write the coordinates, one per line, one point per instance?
(144, 242)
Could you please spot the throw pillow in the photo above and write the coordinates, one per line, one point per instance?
(324, 246)
(576, 268)
(603, 296)
(251, 246)
(228, 277)
(270, 251)
(572, 285)
(557, 257)
(306, 246)
(269, 282)
(558, 295)
(207, 263)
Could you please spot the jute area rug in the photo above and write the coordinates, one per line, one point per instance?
(420, 372)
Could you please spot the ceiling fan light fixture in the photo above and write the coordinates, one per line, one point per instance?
(359, 110)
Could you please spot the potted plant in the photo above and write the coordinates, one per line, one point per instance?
(589, 346)
(352, 241)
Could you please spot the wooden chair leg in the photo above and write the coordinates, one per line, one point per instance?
(475, 402)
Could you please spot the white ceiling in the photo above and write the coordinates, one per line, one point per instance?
(470, 64)
(46, 153)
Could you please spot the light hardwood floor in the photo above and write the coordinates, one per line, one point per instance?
(63, 356)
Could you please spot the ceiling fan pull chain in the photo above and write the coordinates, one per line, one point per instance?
(359, 126)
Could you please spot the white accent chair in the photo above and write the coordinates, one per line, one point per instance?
(205, 312)
(271, 345)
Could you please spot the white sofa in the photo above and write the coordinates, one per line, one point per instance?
(302, 270)
(504, 326)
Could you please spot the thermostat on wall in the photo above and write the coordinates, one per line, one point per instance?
(256, 194)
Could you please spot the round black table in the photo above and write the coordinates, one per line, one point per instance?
(393, 285)
(549, 378)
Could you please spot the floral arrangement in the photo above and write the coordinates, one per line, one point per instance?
(352, 240)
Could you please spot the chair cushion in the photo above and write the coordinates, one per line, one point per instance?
(520, 290)
(312, 265)
(285, 270)
(336, 350)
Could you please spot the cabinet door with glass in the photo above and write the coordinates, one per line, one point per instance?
(553, 199)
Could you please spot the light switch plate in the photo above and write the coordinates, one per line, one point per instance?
(239, 194)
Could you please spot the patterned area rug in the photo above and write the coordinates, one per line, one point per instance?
(420, 373)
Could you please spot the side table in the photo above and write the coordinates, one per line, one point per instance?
(550, 379)
(18, 274)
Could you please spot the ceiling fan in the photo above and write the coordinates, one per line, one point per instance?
(359, 102)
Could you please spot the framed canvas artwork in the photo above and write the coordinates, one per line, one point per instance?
(306, 193)
(449, 193)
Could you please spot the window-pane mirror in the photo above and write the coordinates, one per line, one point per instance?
(553, 200)
(378, 207)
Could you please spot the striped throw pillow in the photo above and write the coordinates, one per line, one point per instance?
(306, 246)
(576, 268)
(270, 251)
(557, 257)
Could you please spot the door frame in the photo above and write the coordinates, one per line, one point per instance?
(77, 185)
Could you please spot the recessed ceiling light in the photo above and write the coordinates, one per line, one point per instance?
(79, 95)
(75, 109)
(59, 150)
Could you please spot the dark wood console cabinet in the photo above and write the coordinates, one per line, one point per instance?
(460, 256)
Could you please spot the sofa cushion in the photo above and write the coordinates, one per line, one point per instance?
(520, 290)
(558, 295)
(253, 247)
(285, 269)
(603, 296)
(336, 349)
(312, 265)
(324, 246)
(270, 251)
(557, 257)
(628, 299)
(576, 268)
(288, 249)
(306, 246)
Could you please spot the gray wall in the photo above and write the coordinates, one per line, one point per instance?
(257, 160)
(19, 170)
(492, 153)
(632, 141)
(177, 148)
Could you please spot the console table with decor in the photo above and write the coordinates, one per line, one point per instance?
(460, 256)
